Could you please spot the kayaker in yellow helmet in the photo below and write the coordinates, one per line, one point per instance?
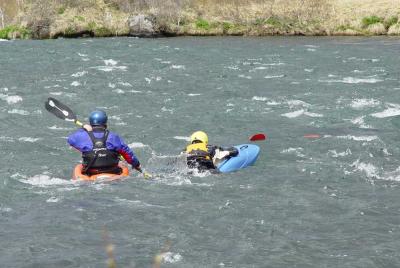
(203, 156)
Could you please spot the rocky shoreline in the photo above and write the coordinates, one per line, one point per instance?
(42, 20)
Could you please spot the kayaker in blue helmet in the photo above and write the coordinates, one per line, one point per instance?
(203, 156)
(101, 149)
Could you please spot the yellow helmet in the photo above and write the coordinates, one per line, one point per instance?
(199, 136)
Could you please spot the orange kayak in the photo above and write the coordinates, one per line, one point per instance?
(108, 176)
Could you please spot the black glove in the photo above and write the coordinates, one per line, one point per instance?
(234, 152)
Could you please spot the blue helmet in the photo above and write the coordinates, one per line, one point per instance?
(98, 118)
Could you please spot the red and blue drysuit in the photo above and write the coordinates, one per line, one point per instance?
(98, 143)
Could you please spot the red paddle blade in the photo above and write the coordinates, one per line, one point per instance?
(312, 136)
(258, 137)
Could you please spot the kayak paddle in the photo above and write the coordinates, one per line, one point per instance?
(64, 112)
(61, 111)
(258, 137)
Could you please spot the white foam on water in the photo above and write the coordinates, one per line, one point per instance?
(274, 76)
(370, 170)
(389, 112)
(273, 64)
(295, 103)
(45, 180)
(82, 55)
(293, 114)
(360, 122)
(309, 70)
(16, 111)
(244, 76)
(137, 145)
(260, 68)
(29, 139)
(273, 103)
(116, 117)
(136, 202)
(235, 67)
(57, 93)
(4, 40)
(6, 139)
(392, 176)
(118, 91)
(182, 138)
(311, 49)
(110, 68)
(257, 98)
(75, 84)
(194, 94)
(110, 62)
(11, 99)
(354, 80)
(313, 114)
(6, 209)
(341, 154)
(125, 84)
(111, 85)
(79, 74)
(296, 151)
(59, 128)
(52, 199)
(135, 91)
(358, 138)
(363, 103)
(177, 67)
(170, 257)
(164, 109)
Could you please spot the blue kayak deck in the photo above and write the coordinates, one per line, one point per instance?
(248, 154)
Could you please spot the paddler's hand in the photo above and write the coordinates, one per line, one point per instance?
(146, 175)
(87, 127)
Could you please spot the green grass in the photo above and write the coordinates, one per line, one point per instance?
(226, 26)
(92, 26)
(102, 32)
(9, 30)
(391, 21)
(61, 10)
(274, 22)
(79, 18)
(367, 21)
(203, 24)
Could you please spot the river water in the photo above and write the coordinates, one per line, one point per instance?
(326, 200)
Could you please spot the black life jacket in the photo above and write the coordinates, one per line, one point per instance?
(100, 157)
(199, 157)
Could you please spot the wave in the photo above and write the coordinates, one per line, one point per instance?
(389, 112)
(301, 112)
(43, 180)
(362, 103)
(353, 80)
(274, 76)
(16, 111)
(29, 139)
(358, 138)
(79, 74)
(11, 99)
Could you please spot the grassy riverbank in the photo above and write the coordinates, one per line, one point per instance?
(75, 18)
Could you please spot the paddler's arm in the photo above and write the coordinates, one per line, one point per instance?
(126, 152)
